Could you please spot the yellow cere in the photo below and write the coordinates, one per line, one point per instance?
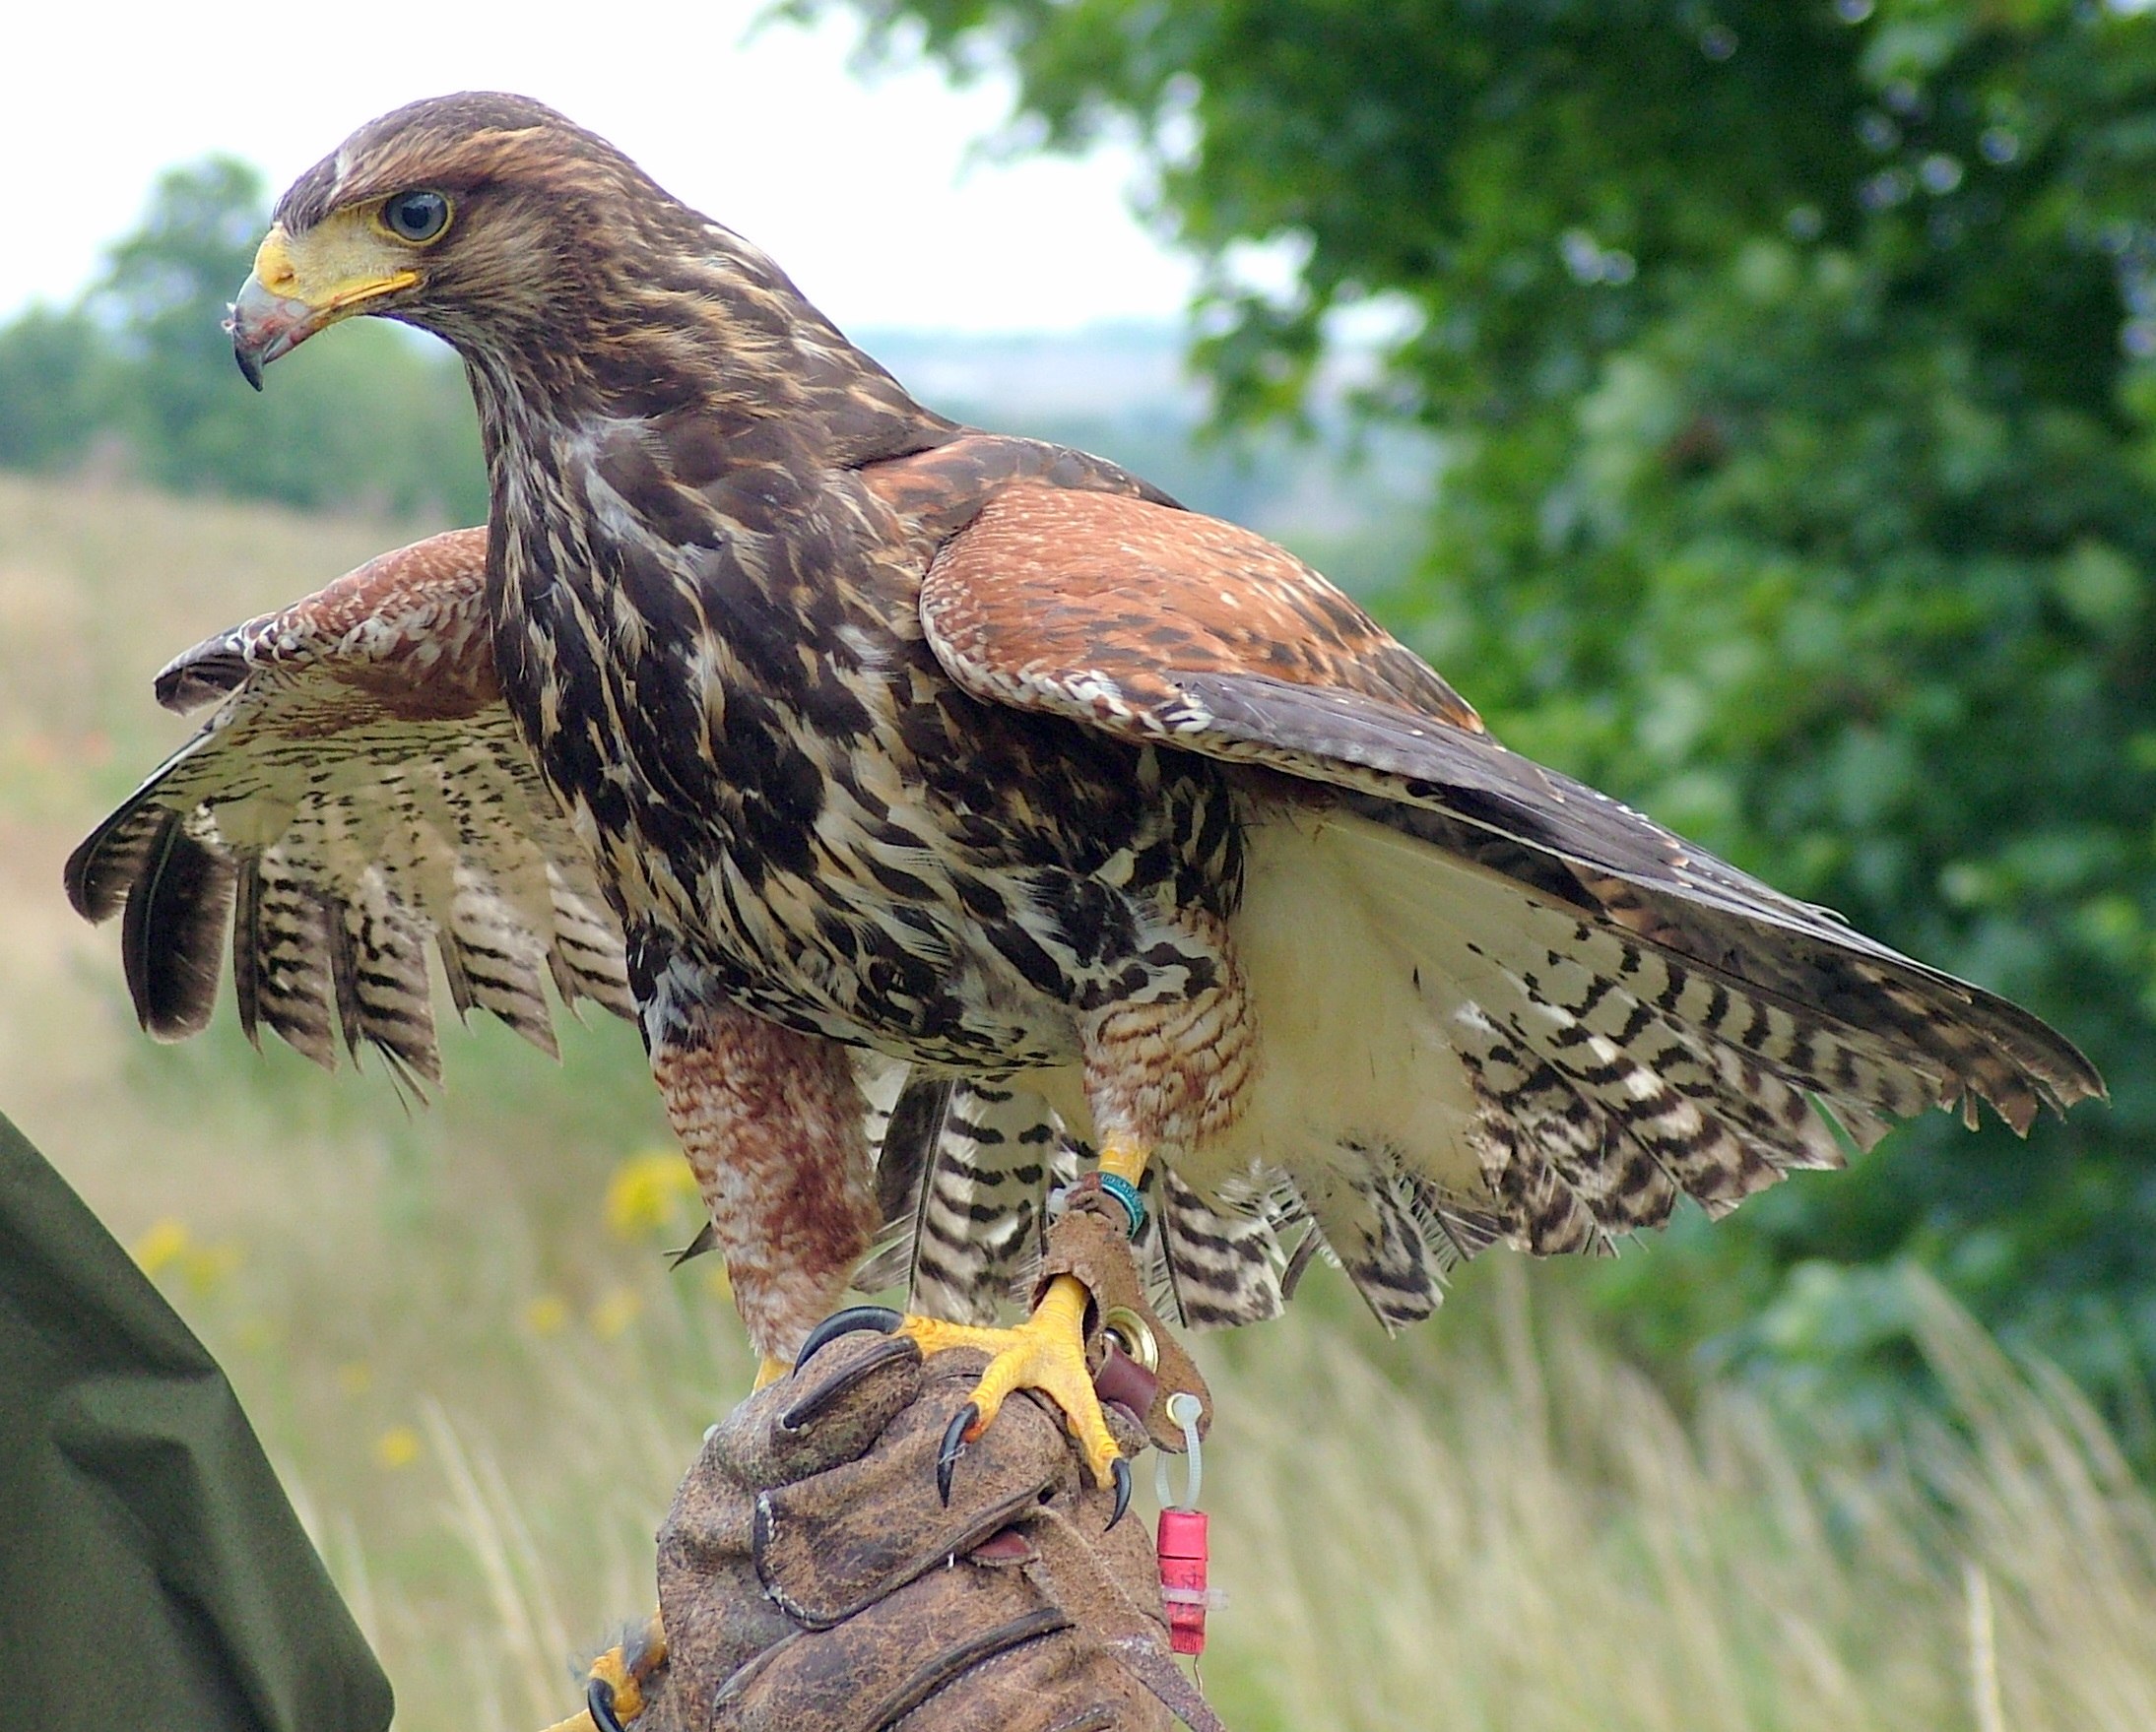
(334, 268)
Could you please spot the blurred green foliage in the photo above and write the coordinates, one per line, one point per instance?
(1794, 359)
(141, 372)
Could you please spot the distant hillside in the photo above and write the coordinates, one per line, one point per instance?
(1105, 370)
(1352, 501)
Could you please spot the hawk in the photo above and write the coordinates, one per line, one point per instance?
(1115, 825)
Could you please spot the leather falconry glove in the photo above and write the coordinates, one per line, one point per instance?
(811, 1576)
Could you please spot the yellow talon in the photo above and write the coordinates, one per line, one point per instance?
(1046, 1352)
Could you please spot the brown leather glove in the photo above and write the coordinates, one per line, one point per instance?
(810, 1577)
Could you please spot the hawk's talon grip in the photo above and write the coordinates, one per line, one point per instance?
(880, 1317)
(953, 1446)
(1119, 1471)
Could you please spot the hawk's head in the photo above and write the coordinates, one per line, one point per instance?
(569, 280)
(488, 218)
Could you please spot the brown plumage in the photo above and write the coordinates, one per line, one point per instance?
(358, 795)
(1115, 824)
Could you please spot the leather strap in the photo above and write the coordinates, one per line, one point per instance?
(1087, 1242)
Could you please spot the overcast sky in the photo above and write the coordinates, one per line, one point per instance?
(866, 191)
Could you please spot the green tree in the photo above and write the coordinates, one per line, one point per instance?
(159, 296)
(1794, 359)
(375, 420)
(51, 388)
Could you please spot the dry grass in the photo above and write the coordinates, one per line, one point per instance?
(1532, 1540)
(456, 1336)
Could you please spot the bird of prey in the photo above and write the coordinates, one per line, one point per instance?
(1115, 824)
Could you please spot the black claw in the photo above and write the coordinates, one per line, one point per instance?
(827, 1391)
(946, 1457)
(880, 1317)
(599, 1704)
(707, 1239)
(1119, 1473)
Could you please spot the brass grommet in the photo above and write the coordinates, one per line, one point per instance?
(1131, 1332)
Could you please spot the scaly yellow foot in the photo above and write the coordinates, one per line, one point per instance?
(1046, 1352)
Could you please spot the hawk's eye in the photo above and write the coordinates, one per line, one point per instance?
(417, 217)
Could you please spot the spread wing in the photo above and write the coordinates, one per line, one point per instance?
(360, 795)
(1164, 626)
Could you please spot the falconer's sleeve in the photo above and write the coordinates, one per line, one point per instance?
(152, 1575)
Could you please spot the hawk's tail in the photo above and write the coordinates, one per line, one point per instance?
(965, 1173)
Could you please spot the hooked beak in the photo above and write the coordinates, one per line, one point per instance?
(294, 292)
(265, 326)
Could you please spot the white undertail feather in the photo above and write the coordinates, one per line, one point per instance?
(1451, 1057)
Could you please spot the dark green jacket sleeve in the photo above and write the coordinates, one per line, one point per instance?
(152, 1573)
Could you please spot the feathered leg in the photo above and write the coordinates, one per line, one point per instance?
(771, 1121)
(1160, 1071)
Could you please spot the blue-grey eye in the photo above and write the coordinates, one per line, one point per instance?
(415, 216)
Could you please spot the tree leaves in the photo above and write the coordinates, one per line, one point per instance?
(372, 422)
(1794, 364)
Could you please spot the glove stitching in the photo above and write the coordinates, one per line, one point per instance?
(765, 1534)
(955, 1663)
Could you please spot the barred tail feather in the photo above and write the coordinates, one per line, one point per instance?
(965, 1173)
(964, 1226)
(1214, 1267)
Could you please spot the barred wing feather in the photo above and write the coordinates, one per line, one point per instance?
(358, 797)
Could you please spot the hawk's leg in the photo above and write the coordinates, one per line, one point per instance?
(1046, 1352)
(771, 1121)
(1163, 1071)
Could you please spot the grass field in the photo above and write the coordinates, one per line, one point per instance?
(456, 1335)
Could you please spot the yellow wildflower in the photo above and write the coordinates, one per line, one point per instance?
(547, 1314)
(156, 1249)
(647, 1193)
(207, 1267)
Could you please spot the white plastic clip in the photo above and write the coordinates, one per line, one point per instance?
(1184, 1409)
